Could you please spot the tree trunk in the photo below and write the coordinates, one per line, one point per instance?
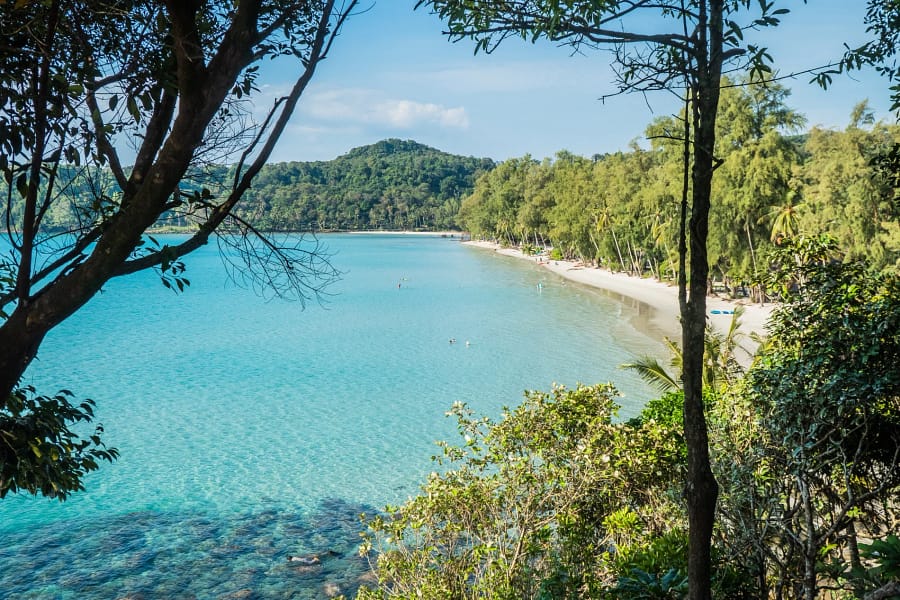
(594, 242)
(18, 347)
(618, 249)
(669, 260)
(701, 488)
(888, 590)
(750, 241)
(810, 548)
(853, 549)
(631, 258)
(33, 318)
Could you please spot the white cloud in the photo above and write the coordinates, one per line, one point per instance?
(406, 113)
(371, 107)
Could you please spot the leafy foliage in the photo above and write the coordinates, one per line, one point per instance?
(641, 585)
(810, 458)
(659, 556)
(720, 360)
(847, 195)
(557, 500)
(883, 23)
(39, 453)
(529, 506)
(885, 553)
(393, 184)
(621, 210)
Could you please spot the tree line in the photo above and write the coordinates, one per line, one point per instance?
(616, 210)
(392, 184)
(621, 210)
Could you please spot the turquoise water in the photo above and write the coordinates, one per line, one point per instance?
(250, 430)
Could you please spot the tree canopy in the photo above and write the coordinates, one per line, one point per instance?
(620, 211)
(392, 184)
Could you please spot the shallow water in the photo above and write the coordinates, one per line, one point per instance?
(251, 430)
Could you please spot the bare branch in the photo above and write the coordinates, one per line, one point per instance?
(278, 265)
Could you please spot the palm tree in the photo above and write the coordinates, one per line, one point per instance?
(503, 231)
(654, 373)
(658, 233)
(784, 217)
(603, 221)
(721, 366)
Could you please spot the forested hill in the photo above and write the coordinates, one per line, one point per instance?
(392, 184)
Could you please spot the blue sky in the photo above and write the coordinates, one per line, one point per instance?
(393, 74)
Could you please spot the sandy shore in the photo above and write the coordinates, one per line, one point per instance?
(446, 234)
(662, 298)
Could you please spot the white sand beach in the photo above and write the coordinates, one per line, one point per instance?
(661, 297)
(446, 234)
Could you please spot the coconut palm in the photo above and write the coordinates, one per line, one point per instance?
(784, 217)
(721, 366)
(603, 222)
(654, 373)
(659, 235)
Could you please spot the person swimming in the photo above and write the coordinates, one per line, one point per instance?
(307, 561)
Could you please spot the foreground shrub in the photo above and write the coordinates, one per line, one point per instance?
(524, 507)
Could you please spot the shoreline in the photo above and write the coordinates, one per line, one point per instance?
(447, 234)
(661, 298)
(189, 230)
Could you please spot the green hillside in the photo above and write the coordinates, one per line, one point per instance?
(392, 184)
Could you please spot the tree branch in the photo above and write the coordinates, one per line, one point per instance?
(154, 137)
(104, 147)
(888, 590)
(41, 82)
(242, 182)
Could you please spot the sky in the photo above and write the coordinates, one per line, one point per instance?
(392, 73)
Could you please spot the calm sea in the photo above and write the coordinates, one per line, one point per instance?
(250, 430)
